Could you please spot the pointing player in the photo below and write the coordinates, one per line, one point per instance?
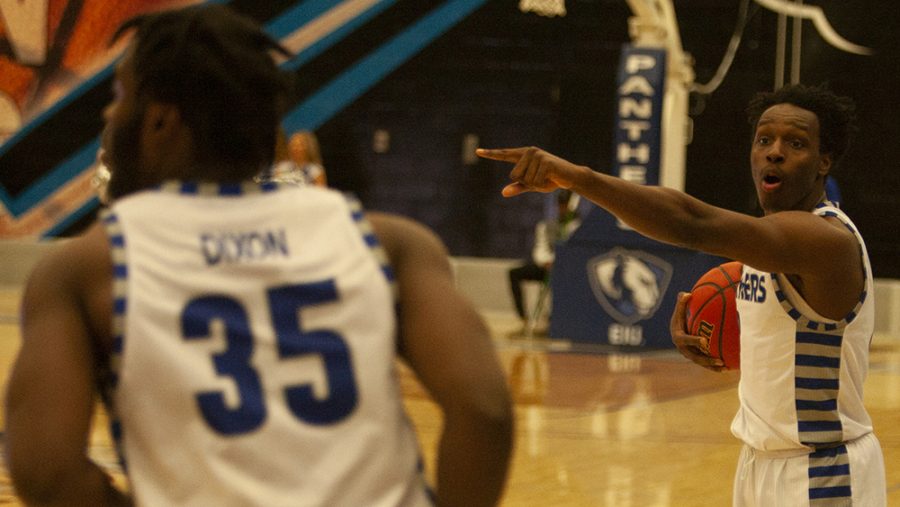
(807, 437)
(242, 335)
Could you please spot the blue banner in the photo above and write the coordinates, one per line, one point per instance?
(610, 285)
(615, 287)
(639, 109)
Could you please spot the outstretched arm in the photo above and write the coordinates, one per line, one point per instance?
(660, 213)
(447, 345)
(780, 242)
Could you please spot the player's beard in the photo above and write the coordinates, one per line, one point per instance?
(123, 157)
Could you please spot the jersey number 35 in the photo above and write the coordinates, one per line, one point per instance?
(293, 341)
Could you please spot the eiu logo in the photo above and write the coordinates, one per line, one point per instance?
(629, 285)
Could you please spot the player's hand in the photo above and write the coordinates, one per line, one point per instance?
(535, 170)
(695, 348)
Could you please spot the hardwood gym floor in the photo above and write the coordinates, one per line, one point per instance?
(598, 429)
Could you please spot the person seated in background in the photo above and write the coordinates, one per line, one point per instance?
(298, 160)
(547, 234)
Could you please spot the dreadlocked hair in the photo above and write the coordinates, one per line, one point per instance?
(217, 68)
(836, 114)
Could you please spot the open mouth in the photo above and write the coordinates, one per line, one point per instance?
(771, 182)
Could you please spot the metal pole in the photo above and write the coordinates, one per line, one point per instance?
(780, 46)
(797, 33)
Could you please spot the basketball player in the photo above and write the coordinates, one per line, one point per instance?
(805, 300)
(243, 335)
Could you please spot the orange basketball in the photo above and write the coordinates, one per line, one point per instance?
(712, 312)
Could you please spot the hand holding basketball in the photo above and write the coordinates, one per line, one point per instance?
(711, 313)
(692, 347)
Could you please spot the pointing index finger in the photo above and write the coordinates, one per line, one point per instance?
(504, 154)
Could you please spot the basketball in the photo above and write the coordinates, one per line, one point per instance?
(712, 313)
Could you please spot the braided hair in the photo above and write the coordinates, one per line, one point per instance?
(217, 68)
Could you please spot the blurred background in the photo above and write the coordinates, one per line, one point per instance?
(401, 92)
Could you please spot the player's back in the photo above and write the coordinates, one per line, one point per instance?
(256, 361)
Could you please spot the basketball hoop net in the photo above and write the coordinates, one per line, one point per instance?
(549, 8)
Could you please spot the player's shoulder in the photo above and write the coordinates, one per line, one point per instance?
(72, 262)
(64, 276)
(403, 237)
(400, 228)
(836, 217)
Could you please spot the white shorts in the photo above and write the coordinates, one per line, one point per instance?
(851, 474)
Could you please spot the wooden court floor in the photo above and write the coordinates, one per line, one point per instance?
(598, 429)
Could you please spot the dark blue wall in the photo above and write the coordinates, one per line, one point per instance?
(520, 79)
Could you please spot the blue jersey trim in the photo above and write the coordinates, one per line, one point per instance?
(829, 475)
(117, 243)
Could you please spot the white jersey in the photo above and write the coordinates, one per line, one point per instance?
(256, 340)
(802, 375)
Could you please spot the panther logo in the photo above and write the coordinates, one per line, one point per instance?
(629, 285)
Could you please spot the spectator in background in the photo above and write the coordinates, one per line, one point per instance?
(547, 234)
(298, 160)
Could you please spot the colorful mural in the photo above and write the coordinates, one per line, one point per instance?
(55, 60)
(56, 69)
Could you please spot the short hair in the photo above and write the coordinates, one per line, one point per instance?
(836, 114)
(217, 68)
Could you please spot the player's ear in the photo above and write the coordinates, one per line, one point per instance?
(161, 119)
(163, 130)
(164, 136)
(825, 164)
